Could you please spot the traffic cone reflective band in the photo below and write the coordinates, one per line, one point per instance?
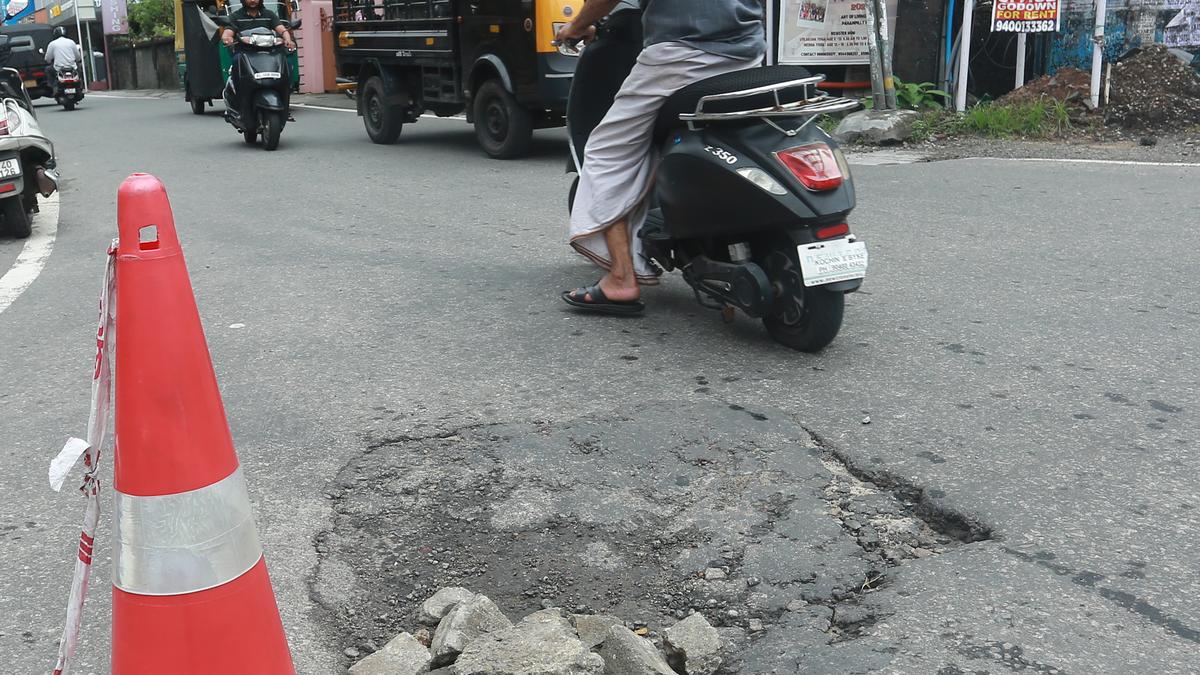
(190, 587)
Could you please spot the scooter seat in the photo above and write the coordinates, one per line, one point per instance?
(685, 100)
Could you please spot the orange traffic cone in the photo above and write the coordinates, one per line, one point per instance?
(190, 587)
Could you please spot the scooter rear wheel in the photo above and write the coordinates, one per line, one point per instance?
(68, 105)
(197, 106)
(805, 318)
(16, 219)
(250, 136)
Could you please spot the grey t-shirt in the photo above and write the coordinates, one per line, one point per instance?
(732, 28)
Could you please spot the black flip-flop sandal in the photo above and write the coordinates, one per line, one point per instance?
(600, 302)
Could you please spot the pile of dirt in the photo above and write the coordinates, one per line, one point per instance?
(1151, 89)
(1070, 85)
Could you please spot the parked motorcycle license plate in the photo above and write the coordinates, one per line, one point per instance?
(68, 91)
(829, 262)
(10, 168)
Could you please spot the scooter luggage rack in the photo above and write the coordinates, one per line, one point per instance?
(811, 106)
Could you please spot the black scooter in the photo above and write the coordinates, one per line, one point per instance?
(259, 89)
(68, 90)
(751, 198)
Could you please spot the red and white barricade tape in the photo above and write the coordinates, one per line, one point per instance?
(89, 450)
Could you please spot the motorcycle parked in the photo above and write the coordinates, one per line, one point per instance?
(751, 199)
(27, 164)
(68, 90)
(259, 89)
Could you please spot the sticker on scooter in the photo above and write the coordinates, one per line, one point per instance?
(722, 154)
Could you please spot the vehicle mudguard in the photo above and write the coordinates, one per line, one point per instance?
(269, 99)
(496, 63)
(397, 94)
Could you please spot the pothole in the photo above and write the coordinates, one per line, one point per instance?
(650, 515)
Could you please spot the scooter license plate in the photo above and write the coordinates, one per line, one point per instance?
(10, 168)
(68, 91)
(828, 262)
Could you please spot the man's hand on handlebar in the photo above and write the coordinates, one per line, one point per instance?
(227, 38)
(572, 35)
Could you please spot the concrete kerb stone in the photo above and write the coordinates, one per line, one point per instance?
(625, 653)
(543, 642)
(593, 629)
(439, 605)
(693, 646)
(466, 622)
(403, 655)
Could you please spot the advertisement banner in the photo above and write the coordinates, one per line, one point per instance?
(114, 17)
(1025, 16)
(831, 32)
(15, 10)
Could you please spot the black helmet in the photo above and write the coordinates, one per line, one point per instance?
(60, 32)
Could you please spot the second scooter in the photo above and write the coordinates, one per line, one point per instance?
(259, 88)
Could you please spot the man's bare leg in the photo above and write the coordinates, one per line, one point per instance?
(620, 284)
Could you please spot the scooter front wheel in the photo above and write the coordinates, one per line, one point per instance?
(805, 318)
(272, 128)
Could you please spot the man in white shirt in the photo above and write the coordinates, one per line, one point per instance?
(62, 52)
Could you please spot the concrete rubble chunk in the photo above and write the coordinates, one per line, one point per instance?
(543, 643)
(468, 621)
(625, 653)
(439, 605)
(877, 126)
(593, 628)
(693, 646)
(402, 656)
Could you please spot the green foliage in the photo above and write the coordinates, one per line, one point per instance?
(918, 96)
(1035, 119)
(150, 19)
(913, 96)
(828, 123)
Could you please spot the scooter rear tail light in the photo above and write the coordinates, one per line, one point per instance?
(814, 165)
(833, 231)
(3, 125)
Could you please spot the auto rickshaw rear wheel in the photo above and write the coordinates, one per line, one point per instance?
(383, 121)
(502, 125)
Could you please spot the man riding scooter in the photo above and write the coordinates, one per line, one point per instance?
(685, 41)
(252, 15)
(257, 93)
(65, 59)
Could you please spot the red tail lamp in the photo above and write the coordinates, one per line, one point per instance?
(814, 165)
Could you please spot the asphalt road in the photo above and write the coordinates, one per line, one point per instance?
(1025, 348)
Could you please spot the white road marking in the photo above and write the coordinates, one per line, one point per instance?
(884, 157)
(143, 98)
(427, 116)
(34, 255)
(1119, 162)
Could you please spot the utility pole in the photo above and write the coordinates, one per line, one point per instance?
(79, 34)
(885, 49)
(1020, 77)
(878, 96)
(964, 56)
(1098, 51)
